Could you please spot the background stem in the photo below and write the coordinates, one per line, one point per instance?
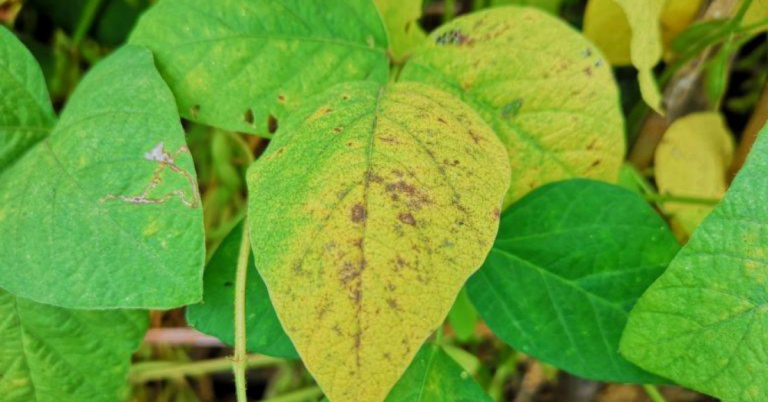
(153, 371)
(239, 362)
(654, 393)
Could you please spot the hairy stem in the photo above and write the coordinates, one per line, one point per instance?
(239, 361)
(153, 371)
(306, 394)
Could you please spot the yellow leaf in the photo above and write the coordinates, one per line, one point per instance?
(368, 213)
(401, 19)
(757, 13)
(637, 31)
(542, 86)
(606, 24)
(692, 160)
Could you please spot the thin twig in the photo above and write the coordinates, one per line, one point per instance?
(86, 21)
(158, 370)
(301, 395)
(239, 361)
(756, 122)
(666, 198)
(654, 393)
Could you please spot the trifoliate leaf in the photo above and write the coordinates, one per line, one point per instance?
(544, 89)
(703, 323)
(569, 262)
(52, 354)
(369, 211)
(244, 65)
(105, 212)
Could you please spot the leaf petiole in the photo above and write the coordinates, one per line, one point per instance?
(239, 361)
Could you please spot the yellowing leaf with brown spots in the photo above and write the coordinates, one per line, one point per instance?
(368, 213)
(692, 161)
(606, 24)
(543, 87)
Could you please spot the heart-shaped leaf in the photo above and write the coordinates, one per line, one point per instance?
(245, 65)
(544, 88)
(104, 212)
(570, 260)
(216, 314)
(52, 354)
(703, 323)
(368, 212)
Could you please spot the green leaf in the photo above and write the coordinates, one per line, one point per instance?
(368, 212)
(433, 376)
(436, 377)
(52, 354)
(105, 212)
(569, 262)
(401, 18)
(26, 114)
(245, 65)
(215, 315)
(703, 323)
(543, 87)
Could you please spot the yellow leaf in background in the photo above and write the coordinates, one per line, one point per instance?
(641, 38)
(692, 161)
(401, 19)
(757, 13)
(368, 212)
(607, 27)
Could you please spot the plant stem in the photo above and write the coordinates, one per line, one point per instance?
(297, 396)
(239, 361)
(439, 334)
(449, 10)
(155, 370)
(682, 200)
(85, 21)
(654, 393)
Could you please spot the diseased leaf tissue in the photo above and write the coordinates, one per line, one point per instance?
(345, 168)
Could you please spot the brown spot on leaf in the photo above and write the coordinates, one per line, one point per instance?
(248, 117)
(272, 124)
(588, 71)
(407, 218)
(496, 213)
(281, 98)
(194, 111)
(358, 213)
(338, 130)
